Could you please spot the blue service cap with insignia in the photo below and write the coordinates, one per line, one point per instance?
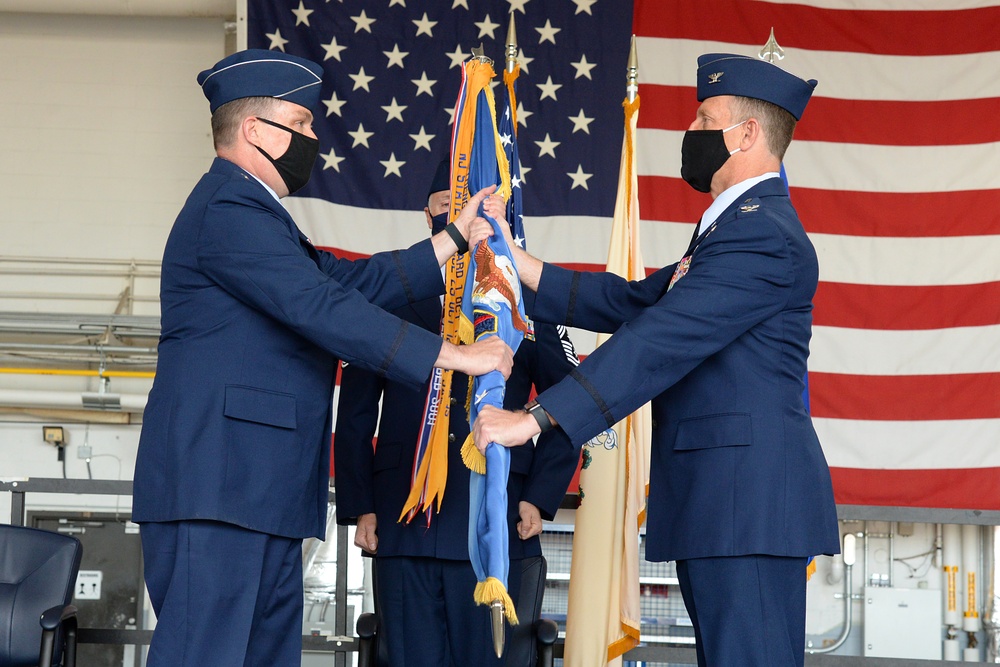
(442, 178)
(732, 74)
(262, 73)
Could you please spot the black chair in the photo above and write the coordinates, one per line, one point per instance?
(38, 570)
(529, 644)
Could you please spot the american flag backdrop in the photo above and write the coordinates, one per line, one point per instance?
(895, 172)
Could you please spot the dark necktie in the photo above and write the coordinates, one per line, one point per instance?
(694, 237)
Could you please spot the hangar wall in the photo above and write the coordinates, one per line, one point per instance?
(104, 132)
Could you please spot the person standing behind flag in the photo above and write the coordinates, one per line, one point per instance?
(232, 469)
(427, 615)
(740, 492)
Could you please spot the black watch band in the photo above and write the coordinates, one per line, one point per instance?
(456, 236)
(542, 417)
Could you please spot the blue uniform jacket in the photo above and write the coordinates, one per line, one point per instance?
(736, 467)
(253, 317)
(379, 481)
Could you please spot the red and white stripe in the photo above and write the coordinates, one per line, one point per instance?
(895, 172)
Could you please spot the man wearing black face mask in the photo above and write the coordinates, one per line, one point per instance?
(740, 493)
(425, 580)
(232, 470)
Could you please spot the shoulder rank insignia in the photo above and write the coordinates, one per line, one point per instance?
(715, 76)
(749, 208)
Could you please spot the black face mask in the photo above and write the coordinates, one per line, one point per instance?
(703, 152)
(295, 164)
(439, 222)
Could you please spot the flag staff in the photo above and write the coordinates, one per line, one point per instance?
(511, 45)
(479, 53)
(497, 611)
(632, 76)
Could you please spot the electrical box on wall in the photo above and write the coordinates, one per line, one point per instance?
(902, 623)
(54, 435)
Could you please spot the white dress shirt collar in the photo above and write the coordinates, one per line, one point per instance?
(731, 194)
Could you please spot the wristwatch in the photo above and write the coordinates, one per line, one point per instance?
(542, 417)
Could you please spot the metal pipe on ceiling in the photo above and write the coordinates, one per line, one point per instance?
(77, 372)
(20, 398)
(93, 349)
(225, 9)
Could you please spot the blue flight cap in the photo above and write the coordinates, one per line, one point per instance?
(262, 73)
(442, 178)
(731, 74)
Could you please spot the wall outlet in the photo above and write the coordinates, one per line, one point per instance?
(84, 451)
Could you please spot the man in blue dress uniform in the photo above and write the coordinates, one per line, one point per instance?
(740, 493)
(233, 463)
(425, 578)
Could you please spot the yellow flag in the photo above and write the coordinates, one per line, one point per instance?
(604, 573)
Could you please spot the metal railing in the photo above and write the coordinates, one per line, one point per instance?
(113, 282)
(72, 313)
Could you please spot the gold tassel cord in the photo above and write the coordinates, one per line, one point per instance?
(490, 590)
(472, 457)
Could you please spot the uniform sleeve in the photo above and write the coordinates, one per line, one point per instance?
(389, 279)
(595, 301)
(252, 254)
(555, 459)
(741, 276)
(354, 455)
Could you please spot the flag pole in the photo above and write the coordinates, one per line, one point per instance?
(511, 44)
(632, 73)
(605, 572)
(497, 611)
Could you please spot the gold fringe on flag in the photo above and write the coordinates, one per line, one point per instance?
(472, 457)
(490, 590)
